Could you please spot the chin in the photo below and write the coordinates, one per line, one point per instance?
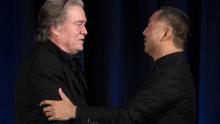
(146, 50)
(80, 49)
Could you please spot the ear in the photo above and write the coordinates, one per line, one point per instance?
(56, 29)
(167, 33)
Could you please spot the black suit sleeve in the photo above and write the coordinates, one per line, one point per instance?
(158, 95)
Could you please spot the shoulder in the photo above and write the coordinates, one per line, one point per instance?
(170, 73)
(176, 67)
(181, 68)
(43, 58)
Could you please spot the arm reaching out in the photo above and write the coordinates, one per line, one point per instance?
(61, 110)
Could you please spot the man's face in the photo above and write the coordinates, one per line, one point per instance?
(73, 30)
(152, 34)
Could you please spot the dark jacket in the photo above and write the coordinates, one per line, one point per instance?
(167, 97)
(48, 69)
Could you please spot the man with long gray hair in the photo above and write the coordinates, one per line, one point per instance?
(53, 65)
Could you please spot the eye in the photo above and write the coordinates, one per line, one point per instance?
(80, 23)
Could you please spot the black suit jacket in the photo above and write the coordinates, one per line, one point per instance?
(48, 69)
(167, 97)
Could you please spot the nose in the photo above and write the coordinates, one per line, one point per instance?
(144, 31)
(84, 30)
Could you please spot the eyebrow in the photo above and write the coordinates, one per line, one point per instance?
(149, 19)
(80, 21)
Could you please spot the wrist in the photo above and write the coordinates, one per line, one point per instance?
(74, 112)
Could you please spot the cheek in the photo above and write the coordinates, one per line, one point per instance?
(72, 30)
(151, 32)
(155, 34)
(147, 34)
(73, 35)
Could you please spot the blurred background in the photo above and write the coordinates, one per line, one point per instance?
(114, 60)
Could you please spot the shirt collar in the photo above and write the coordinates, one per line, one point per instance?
(167, 60)
(64, 55)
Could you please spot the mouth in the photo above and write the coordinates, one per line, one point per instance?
(81, 40)
(145, 41)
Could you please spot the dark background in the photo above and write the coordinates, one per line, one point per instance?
(114, 60)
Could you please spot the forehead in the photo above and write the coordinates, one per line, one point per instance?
(75, 13)
(155, 15)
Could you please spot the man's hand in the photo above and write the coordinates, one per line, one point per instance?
(61, 110)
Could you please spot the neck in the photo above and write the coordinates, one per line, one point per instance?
(166, 51)
(60, 45)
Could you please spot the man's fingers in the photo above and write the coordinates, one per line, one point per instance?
(47, 109)
(51, 118)
(47, 102)
(49, 114)
(63, 96)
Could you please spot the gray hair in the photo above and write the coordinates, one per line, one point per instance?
(53, 12)
(179, 22)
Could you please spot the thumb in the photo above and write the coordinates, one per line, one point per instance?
(62, 95)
